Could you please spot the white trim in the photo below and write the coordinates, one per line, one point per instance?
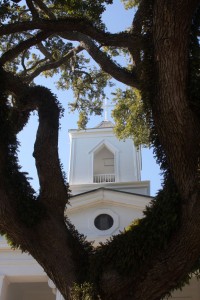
(71, 160)
(110, 147)
(4, 282)
(96, 197)
(91, 167)
(59, 296)
(52, 286)
(102, 143)
(109, 231)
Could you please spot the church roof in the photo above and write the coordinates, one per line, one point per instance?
(112, 190)
(105, 124)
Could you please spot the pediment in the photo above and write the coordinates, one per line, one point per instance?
(103, 143)
(110, 197)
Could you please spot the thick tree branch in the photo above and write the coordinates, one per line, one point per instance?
(82, 25)
(14, 52)
(117, 72)
(104, 61)
(162, 272)
(49, 233)
(44, 51)
(30, 99)
(46, 145)
(176, 125)
(136, 29)
(45, 9)
(177, 117)
(178, 130)
(32, 8)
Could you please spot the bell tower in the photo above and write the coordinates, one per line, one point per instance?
(98, 158)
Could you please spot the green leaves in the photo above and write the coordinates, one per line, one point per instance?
(83, 291)
(130, 117)
(89, 91)
(90, 9)
(128, 4)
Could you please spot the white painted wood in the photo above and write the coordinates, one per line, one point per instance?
(85, 143)
(4, 282)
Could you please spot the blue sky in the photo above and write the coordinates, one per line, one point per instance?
(116, 19)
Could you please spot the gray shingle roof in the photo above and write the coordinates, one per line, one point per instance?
(105, 124)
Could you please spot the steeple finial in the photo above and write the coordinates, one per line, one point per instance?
(105, 108)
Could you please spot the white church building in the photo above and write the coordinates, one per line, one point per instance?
(107, 195)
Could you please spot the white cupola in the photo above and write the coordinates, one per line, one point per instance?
(98, 158)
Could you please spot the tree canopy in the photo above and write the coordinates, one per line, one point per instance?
(162, 45)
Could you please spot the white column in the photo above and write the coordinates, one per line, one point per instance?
(54, 290)
(59, 296)
(4, 282)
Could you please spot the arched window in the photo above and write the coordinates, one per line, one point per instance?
(103, 165)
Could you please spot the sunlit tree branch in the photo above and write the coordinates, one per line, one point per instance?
(14, 52)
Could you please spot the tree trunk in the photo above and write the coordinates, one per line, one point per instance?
(179, 133)
(177, 126)
(62, 256)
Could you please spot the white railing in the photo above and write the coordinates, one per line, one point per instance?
(99, 178)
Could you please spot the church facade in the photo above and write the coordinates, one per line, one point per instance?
(105, 180)
(107, 195)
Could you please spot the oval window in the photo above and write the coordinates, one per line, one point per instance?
(103, 222)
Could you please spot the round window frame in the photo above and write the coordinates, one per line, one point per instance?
(109, 231)
(109, 220)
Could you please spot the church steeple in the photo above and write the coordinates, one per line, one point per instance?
(105, 108)
(98, 158)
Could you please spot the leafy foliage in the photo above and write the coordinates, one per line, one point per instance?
(128, 4)
(89, 93)
(90, 9)
(55, 55)
(130, 117)
(84, 291)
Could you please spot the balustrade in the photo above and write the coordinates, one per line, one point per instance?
(100, 178)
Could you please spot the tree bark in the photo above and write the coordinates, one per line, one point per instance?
(177, 125)
(49, 241)
(179, 132)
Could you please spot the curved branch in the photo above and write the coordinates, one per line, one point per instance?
(45, 9)
(104, 61)
(14, 52)
(23, 73)
(32, 8)
(160, 273)
(44, 51)
(82, 25)
(51, 226)
(136, 29)
(46, 145)
(53, 65)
